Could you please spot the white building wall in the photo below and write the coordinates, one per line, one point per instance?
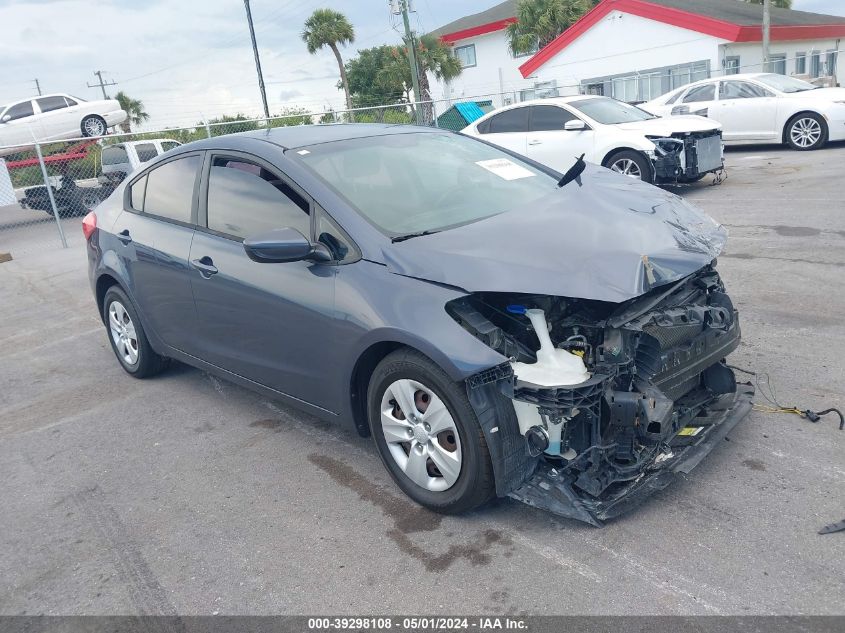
(492, 54)
(624, 43)
(751, 54)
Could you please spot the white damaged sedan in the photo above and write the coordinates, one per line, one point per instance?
(607, 132)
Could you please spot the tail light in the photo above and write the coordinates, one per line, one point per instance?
(89, 225)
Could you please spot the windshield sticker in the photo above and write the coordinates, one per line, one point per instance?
(505, 169)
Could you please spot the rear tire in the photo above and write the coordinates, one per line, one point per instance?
(630, 163)
(127, 337)
(806, 131)
(93, 125)
(448, 471)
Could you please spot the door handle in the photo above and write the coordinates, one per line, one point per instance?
(124, 237)
(535, 142)
(205, 265)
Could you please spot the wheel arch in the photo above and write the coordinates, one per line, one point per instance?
(608, 155)
(92, 115)
(105, 281)
(791, 119)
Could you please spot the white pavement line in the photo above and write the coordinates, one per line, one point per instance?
(552, 555)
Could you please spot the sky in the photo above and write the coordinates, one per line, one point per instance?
(191, 59)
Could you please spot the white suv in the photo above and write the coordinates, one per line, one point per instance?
(54, 118)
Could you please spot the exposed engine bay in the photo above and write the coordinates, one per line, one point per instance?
(687, 156)
(610, 399)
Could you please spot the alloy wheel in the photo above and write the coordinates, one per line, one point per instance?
(94, 127)
(123, 333)
(805, 132)
(421, 435)
(627, 167)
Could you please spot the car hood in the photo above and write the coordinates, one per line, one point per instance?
(609, 238)
(666, 126)
(821, 94)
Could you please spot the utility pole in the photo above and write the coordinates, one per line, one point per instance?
(102, 85)
(257, 60)
(412, 58)
(767, 25)
(37, 86)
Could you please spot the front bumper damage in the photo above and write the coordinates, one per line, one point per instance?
(687, 156)
(659, 398)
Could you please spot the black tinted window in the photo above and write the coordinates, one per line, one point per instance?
(515, 120)
(48, 104)
(548, 118)
(167, 145)
(114, 155)
(170, 189)
(136, 193)
(706, 92)
(332, 237)
(146, 152)
(19, 111)
(244, 199)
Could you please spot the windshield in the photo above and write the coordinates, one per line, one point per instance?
(429, 181)
(785, 84)
(610, 111)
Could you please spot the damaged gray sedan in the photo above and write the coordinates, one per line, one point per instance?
(498, 328)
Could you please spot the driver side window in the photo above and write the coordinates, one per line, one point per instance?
(740, 90)
(245, 199)
(707, 92)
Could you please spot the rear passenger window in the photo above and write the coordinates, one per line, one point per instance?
(146, 152)
(136, 194)
(170, 189)
(245, 199)
(515, 120)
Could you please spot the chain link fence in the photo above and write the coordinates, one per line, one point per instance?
(46, 188)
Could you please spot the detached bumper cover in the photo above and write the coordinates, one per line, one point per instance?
(551, 490)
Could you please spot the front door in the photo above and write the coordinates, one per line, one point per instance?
(549, 143)
(746, 111)
(20, 125)
(268, 322)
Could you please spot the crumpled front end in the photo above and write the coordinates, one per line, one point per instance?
(657, 397)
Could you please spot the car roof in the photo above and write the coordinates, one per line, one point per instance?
(148, 140)
(294, 136)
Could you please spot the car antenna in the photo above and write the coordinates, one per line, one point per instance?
(573, 172)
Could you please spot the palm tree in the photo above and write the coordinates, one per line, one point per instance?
(134, 108)
(434, 57)
(541, 21)
(327, 27)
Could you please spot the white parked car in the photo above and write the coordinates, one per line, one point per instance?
(762, 107)
(54, 118)
(122, 159)
(608, 132)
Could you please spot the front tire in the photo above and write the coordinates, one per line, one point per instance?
(427, 434)
(93, 125)
(127, 337)
(807, 131)
(630, 163)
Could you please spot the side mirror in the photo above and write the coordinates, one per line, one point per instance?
(6, 118)
(574, 125)
(284, 245)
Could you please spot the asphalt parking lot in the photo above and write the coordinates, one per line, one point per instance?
(187, 495)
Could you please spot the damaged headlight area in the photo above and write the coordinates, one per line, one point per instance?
(609, 400)
(686, 156)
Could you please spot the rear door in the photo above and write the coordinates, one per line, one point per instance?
(269, 322)
(549, 143)
(698, 100)
(155, 233)
(746, 111)
(508, 129)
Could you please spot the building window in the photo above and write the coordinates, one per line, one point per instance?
(777, 64)
(815, 64)
(649, 84)
(732, 65)
(830, 63)
(466, 55)
(800, 63)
